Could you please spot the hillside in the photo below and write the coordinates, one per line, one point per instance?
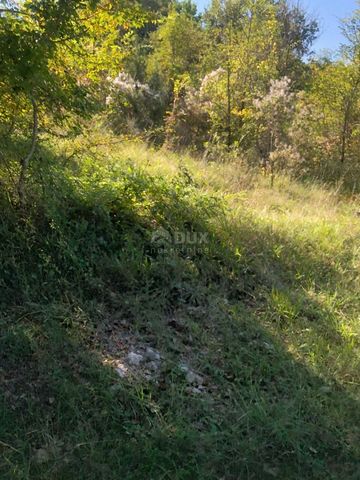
(167, 318)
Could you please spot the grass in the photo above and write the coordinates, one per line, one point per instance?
(266, 311)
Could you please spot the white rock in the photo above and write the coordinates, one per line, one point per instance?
(153, 366)
(193, 378)
(184, 368)
(121, 371)
(152, 355)
(197, 390)
(134, 359)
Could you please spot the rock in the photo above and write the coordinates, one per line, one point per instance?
(153, 366)
(152, 355)
(269, 346)
(184, 368)
(134, 359)
(197, 390)
(193, 378)
(121, 371)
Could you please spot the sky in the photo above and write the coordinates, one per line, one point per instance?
(328, 13)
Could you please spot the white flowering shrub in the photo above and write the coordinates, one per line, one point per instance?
(285, 157)
(274, 114)
(213, 91)
(189, 123)
(274, 111)
(132, 106)
(209, 81)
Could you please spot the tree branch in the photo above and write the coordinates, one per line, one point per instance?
(12, 11)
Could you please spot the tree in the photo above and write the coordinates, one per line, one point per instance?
(242, 37)
(28, 38)
(177, 48)
(297, 33)
(46, 53)
(335, 93)
(351, 52)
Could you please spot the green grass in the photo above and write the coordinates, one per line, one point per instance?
(268, 310)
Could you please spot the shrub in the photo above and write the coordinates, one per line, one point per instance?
(132, 107)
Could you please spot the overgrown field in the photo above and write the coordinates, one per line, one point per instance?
(252, 290)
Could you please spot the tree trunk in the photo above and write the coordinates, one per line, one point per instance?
(25, 161)
(344, 131)
(228, 92)
(271, 161)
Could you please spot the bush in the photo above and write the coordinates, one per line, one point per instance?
(132, 107)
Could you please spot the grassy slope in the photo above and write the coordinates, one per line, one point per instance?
(268, 314)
